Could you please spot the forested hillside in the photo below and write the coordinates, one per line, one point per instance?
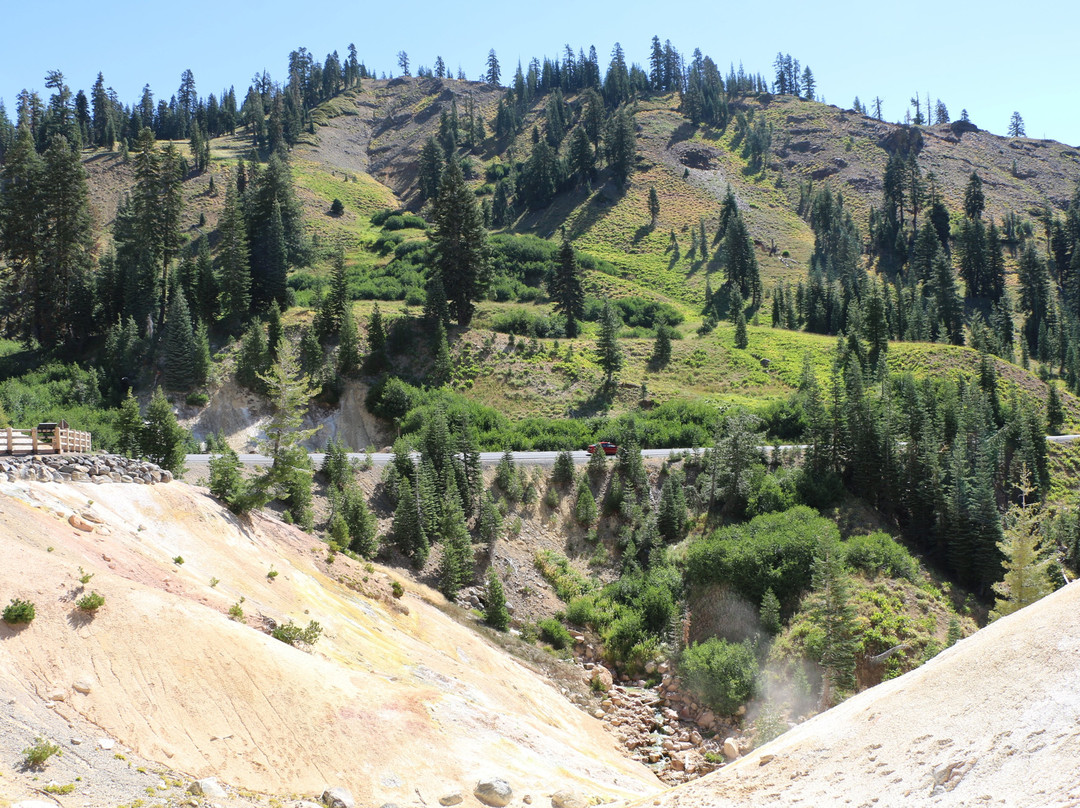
(671, 255)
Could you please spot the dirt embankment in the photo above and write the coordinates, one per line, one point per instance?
(395, 699)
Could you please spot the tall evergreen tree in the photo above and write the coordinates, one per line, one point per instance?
(460, 243)
(179, 345)
(565, 287)
(607, 344)
(233, 262)
(834, 614)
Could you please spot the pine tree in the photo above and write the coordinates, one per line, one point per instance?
(289, 392)
(585, 503)
(129, 426)
(661, 354)
(565, 287)
(348, 358)
(460, 243)
(377, 358)
(620, 145)
(1016, 126)
(1027, 567)
(435, 308)
(671, 519)
(1055, 413)
(563, 472)
(607, 344)
(834, 614)
(227, 480)
(179, 346)
(496, 614)
(253, 359)
(654, 206)
(741, 340)
(163, 439)
(408, 531)
(455, 572)
(233, 262)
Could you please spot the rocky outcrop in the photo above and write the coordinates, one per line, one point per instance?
(71, 468)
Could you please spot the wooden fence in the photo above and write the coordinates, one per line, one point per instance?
(44, 439)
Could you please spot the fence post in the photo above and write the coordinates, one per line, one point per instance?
(10, 449)
(33, 440)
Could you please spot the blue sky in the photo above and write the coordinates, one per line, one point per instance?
(990, 58)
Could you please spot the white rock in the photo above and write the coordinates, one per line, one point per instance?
(106, 743)
(567, 799)
(453, 798)
(207, 787)
(731, 749)
(83, 685)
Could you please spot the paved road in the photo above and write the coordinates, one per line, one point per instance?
(529, 458)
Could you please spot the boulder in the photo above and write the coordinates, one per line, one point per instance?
(207, 787)
(79, 523)
(568, 799)
(495, 792)
(338, 797)
(602, 677)
(453, 798)
(731, 749)
(83, 685)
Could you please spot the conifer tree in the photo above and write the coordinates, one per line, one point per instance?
(661, 354)
(179, 345)
(233, 262)
(1027, 567)
(607, 344)
(129, 425)
(289, 476)
(834, 614)
(565, 287)
(377, 358)
(408, 530)
(460, 243)
(671, 519)
(348, 358)
(563, 471)
(496, 614)
(163, 439)
(741, 340)
(585, 503)
(435, 308)
(455, 572)
(490, 521)
(654, 206)
(253, 359)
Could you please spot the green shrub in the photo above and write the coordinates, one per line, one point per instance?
(880, 553)
(722, 674)
(19, 611)
(774, 551)
(397, 589)
(90, 603)
(197, 399)
(35, 755)
(554, 633)
(291, 634)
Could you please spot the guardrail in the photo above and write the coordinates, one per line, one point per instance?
(44, 439)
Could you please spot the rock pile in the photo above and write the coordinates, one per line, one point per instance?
(663, 727)
(72, 468)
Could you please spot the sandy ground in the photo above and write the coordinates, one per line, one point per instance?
(397, 701)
